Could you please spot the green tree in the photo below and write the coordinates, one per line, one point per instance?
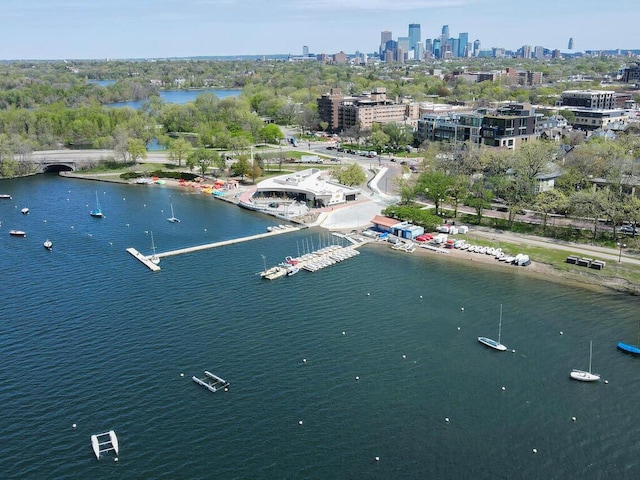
(271, 133)
(241, 167)
(398, 133)
(379, 140)
(434, 186)
(480, 199)
(136, 149)
(351, 174)
(550, 201)
(179, 150)
(202, 158)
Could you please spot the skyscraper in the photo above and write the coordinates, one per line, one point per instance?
(476, 48)
(570, 46)
(305, 51)
(414, 35)
(385, 36)
(463, 45)
(445, 33)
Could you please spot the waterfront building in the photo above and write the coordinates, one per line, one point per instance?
(312, 186)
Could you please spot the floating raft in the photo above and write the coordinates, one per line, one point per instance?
(104, 442)
(211, 382)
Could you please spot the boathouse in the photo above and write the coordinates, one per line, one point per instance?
(399, 229)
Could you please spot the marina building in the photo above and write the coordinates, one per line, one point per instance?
(312, 187)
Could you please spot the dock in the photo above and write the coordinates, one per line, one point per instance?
(152, 266)
(211, 382)
(145, 260)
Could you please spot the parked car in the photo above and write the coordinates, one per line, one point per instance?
(628, 229)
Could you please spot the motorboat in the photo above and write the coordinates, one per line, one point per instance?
(48, 244)
(24, 211)
(17, 233)
(5, 196)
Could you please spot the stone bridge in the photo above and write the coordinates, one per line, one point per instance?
(72, 160)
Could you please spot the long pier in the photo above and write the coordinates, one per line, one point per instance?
(147, 262)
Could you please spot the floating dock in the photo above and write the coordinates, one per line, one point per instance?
(145, 260)
(152, 266)
(211, 382)
(104, 442)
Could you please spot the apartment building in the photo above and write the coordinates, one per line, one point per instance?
(600, 99)
(509, 127)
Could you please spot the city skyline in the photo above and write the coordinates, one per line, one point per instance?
(66, 29)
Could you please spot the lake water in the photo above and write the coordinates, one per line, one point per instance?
(90, 336)
(179, 97)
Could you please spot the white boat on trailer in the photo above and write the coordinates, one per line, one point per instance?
(104, 442)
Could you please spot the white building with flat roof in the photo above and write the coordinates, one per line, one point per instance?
(312, 186)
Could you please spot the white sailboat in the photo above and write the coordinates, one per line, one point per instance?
(583, 376)
(493, 343)
(97, 212)
(155, 259)
(172, 218)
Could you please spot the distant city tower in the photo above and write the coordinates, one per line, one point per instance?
(445, 33)
(476, 48)
(570, 46)
(305, 51)
(414, 35)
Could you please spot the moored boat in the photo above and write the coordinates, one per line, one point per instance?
(5, 196)
(24, 211)
(48, 244)
(17, 233)
(97, 212)
(495, 344)
(585, 376)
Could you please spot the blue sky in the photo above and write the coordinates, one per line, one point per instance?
(63, 29)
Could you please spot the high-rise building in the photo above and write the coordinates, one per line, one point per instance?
(538, 52)
(414, 35)
(305, 51)
(428, 46)
(476, 48)
(437, 48)
(445, 33)
(403, 44)
(385, 36)
(570, 46)
(526, 51)
(454, 46)
(463, 45)
(418, 52)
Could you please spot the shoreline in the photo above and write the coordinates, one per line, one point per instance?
(583, 278)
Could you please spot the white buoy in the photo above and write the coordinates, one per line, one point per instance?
(357, 378)
(535, 450)
(226, 389)
(115, 459)
(404, 356)
(377, 459)
(304, 360)
(205, 229)
(573, 419)
(504, 388)
(182, 374)
(458, 328)
(344, 333)
(123, 198)
(513, 351)
(368, 294)
(73, 426)
(561, 333)
(446, 419)
(144, 204)
(420, 296)
(606, 382)
(462, 309)
(126, 224)
(300, 422)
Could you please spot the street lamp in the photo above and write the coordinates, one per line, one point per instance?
(620, 246)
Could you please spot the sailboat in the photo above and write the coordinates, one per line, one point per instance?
(492, 343)
(97, 212)
(583, 376)
(172, 218)
(155, 259)
(633, 349)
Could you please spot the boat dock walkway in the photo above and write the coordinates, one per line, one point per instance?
(146, 260)
(211, 382)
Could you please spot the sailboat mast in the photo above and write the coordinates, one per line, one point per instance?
(500, 324)
(590, 354)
